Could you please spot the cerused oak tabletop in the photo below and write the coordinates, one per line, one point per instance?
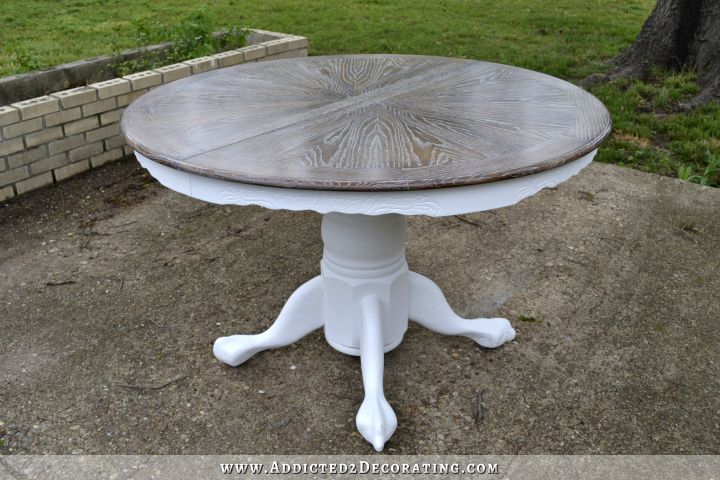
(366, 122)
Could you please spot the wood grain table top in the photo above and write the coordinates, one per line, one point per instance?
(366, 122)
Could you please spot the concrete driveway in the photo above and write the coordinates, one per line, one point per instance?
(113, 288)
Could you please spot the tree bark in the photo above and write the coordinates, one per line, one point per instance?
(679, 34)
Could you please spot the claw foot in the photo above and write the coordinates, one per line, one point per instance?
(490, 332)
(376, 421)
(235, 349)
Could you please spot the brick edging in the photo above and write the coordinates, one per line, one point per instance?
(47, 139)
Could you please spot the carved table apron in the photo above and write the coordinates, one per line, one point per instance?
(366, 141)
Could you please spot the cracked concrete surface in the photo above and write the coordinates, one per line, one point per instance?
(113, 288)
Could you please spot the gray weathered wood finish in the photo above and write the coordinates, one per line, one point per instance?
(366, 122)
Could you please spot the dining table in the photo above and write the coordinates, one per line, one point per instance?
(366, 141)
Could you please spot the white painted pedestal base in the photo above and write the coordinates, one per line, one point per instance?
(364, 297)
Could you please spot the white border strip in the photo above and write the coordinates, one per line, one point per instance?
(435, 202)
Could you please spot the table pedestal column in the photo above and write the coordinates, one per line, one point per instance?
(364, 256)
(364, 297)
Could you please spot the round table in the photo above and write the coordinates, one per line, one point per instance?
(366, 140)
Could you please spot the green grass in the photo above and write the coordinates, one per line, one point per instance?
(650, 133)
(568, 38)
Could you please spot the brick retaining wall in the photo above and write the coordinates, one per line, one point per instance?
(47, 139)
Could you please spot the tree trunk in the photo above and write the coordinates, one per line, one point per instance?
(679, 34)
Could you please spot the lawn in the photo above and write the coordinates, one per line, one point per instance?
(569, 39)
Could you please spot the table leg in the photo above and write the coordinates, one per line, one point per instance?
(301, 315)
(375, 420)
(429, 308)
